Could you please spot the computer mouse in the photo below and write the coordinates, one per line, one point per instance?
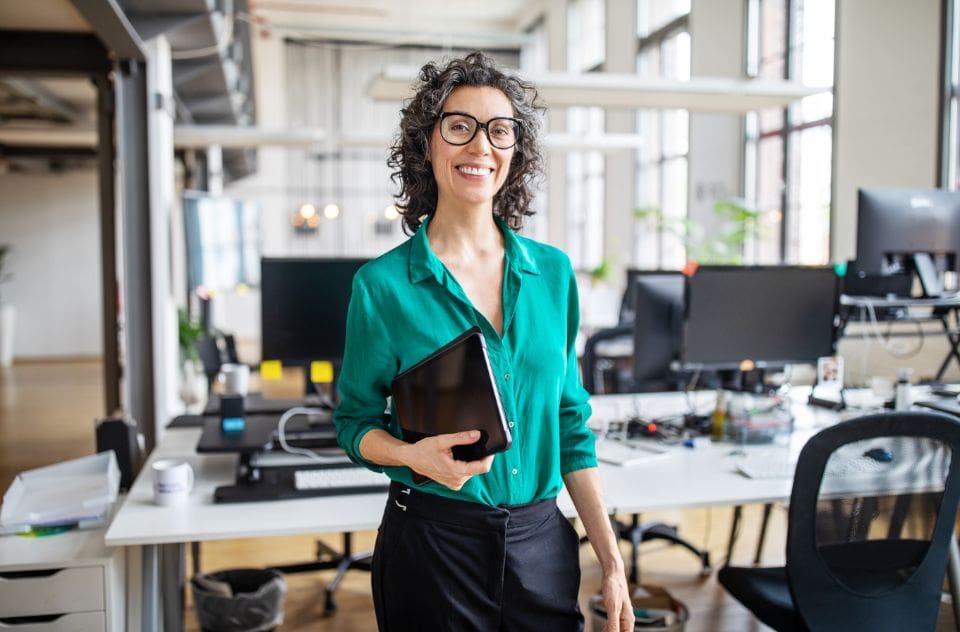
(879, 454)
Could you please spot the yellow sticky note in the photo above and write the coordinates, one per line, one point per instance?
(271, 370)
(321, 372)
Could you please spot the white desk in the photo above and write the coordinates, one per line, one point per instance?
(695, 477)
(161, 532)
(703, 476)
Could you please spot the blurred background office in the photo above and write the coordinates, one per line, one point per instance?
(154, 152)
(151, 153)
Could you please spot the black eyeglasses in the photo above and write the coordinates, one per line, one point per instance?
(459, 128)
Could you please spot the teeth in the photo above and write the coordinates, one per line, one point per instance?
(475, 171)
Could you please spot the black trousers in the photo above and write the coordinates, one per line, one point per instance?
(441, 564)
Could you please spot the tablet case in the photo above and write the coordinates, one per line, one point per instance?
(453, 390)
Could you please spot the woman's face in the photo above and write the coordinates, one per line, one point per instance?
(471, 174)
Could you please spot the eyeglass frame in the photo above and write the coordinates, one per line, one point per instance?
(517, 126)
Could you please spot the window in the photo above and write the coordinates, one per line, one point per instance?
(586, 35)
(661, 196)
(585, 192)
(788, 152)
(585, 169)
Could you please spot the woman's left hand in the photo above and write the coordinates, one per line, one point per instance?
(616, 601)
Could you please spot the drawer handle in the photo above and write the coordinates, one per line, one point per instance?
(43, 572)
(39, 618)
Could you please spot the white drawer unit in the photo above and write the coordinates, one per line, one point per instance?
(68, 582)
(75, 622)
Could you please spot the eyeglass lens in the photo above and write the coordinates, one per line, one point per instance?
(459, 129)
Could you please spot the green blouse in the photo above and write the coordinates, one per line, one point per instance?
(406, 304)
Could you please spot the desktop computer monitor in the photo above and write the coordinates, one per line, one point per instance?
(912, 231)
(768, 315)
(303, 308)
(658, 299)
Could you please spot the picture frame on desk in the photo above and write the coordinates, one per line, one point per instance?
(827, 392)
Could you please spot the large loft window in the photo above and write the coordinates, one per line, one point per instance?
(661, 195)
(586, 35)
(585, 169)
(788, 151)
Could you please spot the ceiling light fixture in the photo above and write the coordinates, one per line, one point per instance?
(628, 91)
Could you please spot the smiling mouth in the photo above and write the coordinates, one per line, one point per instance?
(475, 171)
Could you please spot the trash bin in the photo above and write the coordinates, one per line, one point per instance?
(241, 599)
(655, 609)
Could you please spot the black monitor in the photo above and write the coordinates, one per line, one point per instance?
(908, 231)
(303, 308)
(770, 316)
(658, 300)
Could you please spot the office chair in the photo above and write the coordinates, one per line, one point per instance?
(870, 527)
(210, 358)
(593, 362)
(230, 349)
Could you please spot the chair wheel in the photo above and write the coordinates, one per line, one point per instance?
(329, 606)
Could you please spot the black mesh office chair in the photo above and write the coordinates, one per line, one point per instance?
(870, 527)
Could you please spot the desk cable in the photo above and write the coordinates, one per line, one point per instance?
(886, 343)
(281, 436)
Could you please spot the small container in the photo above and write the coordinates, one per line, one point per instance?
(901, 394)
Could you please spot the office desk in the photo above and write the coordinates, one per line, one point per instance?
(688, 478)
(943, 310)
(703, 476)
(161, 532)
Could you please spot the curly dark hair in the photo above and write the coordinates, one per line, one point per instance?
(408, 155)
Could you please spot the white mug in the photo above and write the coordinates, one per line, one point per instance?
(172, 481)
(235, 379)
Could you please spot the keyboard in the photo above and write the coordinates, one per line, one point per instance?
(626, 453)
(282, 483)
(774, 467)
(338, 478)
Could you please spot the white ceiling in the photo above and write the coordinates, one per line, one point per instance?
(450, 22)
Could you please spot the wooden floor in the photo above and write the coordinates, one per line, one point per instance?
(47, 413)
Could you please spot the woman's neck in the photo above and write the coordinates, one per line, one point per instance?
(464, 235)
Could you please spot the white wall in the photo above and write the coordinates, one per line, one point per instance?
(886, 104)
(52, 223)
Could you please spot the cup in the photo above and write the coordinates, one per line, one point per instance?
(172, 481)
(235, 379)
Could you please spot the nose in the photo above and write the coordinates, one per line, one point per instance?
(480, 137)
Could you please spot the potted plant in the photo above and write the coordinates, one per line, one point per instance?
(193, 384)
(7, 311)
(737, 224)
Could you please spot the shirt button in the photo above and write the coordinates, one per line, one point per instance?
(510, 423)
(507, 376)
(514, 471)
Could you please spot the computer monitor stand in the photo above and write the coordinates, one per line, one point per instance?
(931, 281)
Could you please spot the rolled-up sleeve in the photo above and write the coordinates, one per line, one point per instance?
(367, 368)
(577, 445)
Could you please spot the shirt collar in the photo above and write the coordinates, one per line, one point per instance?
(424, 264)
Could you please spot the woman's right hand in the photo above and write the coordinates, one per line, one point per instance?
(433, 458)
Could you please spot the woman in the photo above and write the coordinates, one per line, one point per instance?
(482, 546)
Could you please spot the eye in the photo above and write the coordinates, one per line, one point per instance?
(458, 125)
(502, 129)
